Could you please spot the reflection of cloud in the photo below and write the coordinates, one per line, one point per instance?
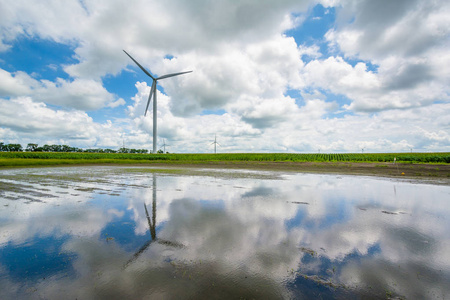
(87, 222)
(261, 191)
(8, 288)
(235, 228)
(410, 280)
(43, 203)
(100, 276)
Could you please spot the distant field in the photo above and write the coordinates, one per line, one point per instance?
(55, 158)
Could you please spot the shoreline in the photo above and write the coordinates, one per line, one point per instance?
(436, 173)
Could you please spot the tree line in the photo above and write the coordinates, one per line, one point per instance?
(63, 148)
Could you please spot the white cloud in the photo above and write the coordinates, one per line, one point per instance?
(264, 113)
(195, 26)
(407, 40)
(188, 134)
(374, 30)
(47, 19)
(37, 123)
(370, 91)
(311, 51)
(304, 128)
(264, 69)
(86, 94)
(335, 74)
(389, 61)
(80, 94)
(15, 84)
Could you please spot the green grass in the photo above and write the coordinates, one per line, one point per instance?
(60, 158)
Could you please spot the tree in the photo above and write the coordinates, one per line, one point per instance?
(31, 147)
(109, 150)
(46, 148)
(66, 148)
(14, 147)
(55, 148)
(124, 150)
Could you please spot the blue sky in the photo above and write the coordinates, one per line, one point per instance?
(291, 76)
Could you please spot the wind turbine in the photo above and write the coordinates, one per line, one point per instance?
(153, 92)
(215, 143)
(164, 145)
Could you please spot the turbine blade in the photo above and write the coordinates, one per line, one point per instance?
(171, 244)
(150, 96)
(138, 253)
(142, 68)
(173, 74)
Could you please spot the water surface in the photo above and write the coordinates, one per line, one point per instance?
(136, 233)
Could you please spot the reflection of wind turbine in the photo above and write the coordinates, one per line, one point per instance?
(153, 92)
(215, 143)
(152, 228)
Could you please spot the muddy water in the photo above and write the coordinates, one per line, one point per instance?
(136, 233)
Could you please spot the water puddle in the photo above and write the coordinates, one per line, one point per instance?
(135, 233)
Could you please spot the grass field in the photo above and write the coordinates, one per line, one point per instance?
(62, 158)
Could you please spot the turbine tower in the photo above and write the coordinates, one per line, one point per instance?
(153, 92)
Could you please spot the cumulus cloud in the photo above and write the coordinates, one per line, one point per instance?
(312, 51)
(407, 40)
(79, 94)
(33, 115)
(403, 86)
(264, 69)
(36, 122)
(109, 26)
(84, 94)
(384, 58)
(264, 113)
(304, 128)
(375, 30)
(48, 20)
(187, 134)
(15, 84)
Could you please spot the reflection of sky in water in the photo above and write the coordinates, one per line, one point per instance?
(85, 232)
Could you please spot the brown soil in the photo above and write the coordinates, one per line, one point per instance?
(435, 172)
